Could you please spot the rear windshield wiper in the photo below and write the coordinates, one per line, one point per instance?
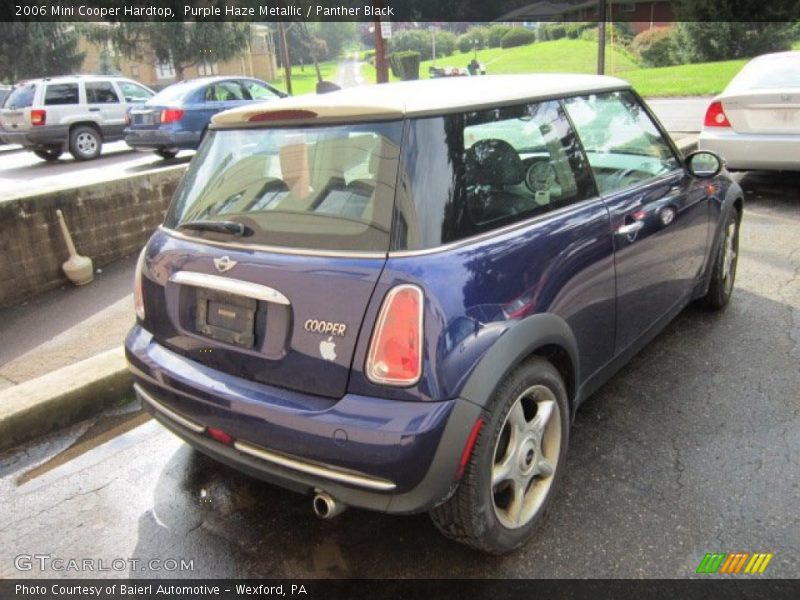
(229, 227)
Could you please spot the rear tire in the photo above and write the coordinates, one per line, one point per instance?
(85, 143)
(511, 478)
(49, 154)
(723, 275)
(166, 154)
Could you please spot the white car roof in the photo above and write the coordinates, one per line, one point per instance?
(417, 98)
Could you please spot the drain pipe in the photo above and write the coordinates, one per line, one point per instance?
(78, 269)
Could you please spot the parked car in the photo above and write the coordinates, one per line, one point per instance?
(178, 116)
(78, 113)
(5, 90)
(397, 297)
(755, 122)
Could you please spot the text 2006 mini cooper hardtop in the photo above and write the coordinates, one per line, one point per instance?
(396, 297)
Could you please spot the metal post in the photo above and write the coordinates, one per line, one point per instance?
(601, 37)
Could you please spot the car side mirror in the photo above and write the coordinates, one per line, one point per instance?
(704, 164)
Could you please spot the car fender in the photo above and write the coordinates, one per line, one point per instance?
(515, 345)
(733, 194)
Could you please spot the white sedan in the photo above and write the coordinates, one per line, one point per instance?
(755, 122)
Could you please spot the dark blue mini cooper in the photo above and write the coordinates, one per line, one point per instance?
(396, 297)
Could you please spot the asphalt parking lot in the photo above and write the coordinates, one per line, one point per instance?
(693, 447)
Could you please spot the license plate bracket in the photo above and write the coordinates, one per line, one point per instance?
(226, 317)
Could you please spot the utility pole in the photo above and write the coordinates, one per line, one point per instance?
(287, 66)
(601, 37)
(381, 66)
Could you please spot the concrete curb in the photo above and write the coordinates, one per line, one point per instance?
(62, 397)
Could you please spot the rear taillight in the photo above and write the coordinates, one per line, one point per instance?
(138, 294)
(716, 117)
(38, 117)
(395, 353)
(171, 115)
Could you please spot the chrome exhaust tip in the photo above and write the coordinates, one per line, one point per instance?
(325, 507)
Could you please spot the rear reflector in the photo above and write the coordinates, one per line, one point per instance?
(171, 115)
(468, 447)
(220, 436)
(395, 353)
(38, 117)
(716, 117)
(283, 115)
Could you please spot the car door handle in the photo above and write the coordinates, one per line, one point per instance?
(630, 228)
(94, 110)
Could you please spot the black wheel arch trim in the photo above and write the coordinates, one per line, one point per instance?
(734, 197)
(518, 343)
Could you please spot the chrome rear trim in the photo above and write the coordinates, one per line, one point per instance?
(188, 423)
(231, 286)
(318, 470)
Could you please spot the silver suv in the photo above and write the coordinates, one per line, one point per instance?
(76, 113)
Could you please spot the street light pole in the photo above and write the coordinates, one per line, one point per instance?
(433, 43)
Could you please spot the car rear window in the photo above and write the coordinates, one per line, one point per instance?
(61, 93)
(21, 96)
(319, 188)
(173, 93)
(768, 74)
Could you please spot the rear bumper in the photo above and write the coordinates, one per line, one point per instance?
(35, 138)
(384, 455)
(153, 139)
(753, 151)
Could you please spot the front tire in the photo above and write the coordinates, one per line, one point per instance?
(516, 464)
(720, 288)
(85, 143)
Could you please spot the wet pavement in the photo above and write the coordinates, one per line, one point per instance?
(693, 447)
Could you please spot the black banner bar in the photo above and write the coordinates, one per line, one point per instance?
(411, 589)
(399, 10)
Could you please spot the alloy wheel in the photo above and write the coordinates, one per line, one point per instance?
(525, 457)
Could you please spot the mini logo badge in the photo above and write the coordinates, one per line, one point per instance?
(786, 97)
(327, 349)
(224, 264)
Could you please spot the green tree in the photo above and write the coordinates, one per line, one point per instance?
(183, 44)
(710, 31)
(337, 35)
(38, 49)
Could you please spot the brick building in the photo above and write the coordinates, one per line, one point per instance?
(257, 60)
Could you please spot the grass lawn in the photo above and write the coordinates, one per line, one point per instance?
(796, 45)
(305, 81)
(580, 56)
(703, 79)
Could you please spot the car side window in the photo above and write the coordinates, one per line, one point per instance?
(224, 91)
(61, 93)
(133, 92)
(101, 92)
(258, 91)
(622, 143)
(474, 172)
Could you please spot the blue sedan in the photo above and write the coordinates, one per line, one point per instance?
(177, 117)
